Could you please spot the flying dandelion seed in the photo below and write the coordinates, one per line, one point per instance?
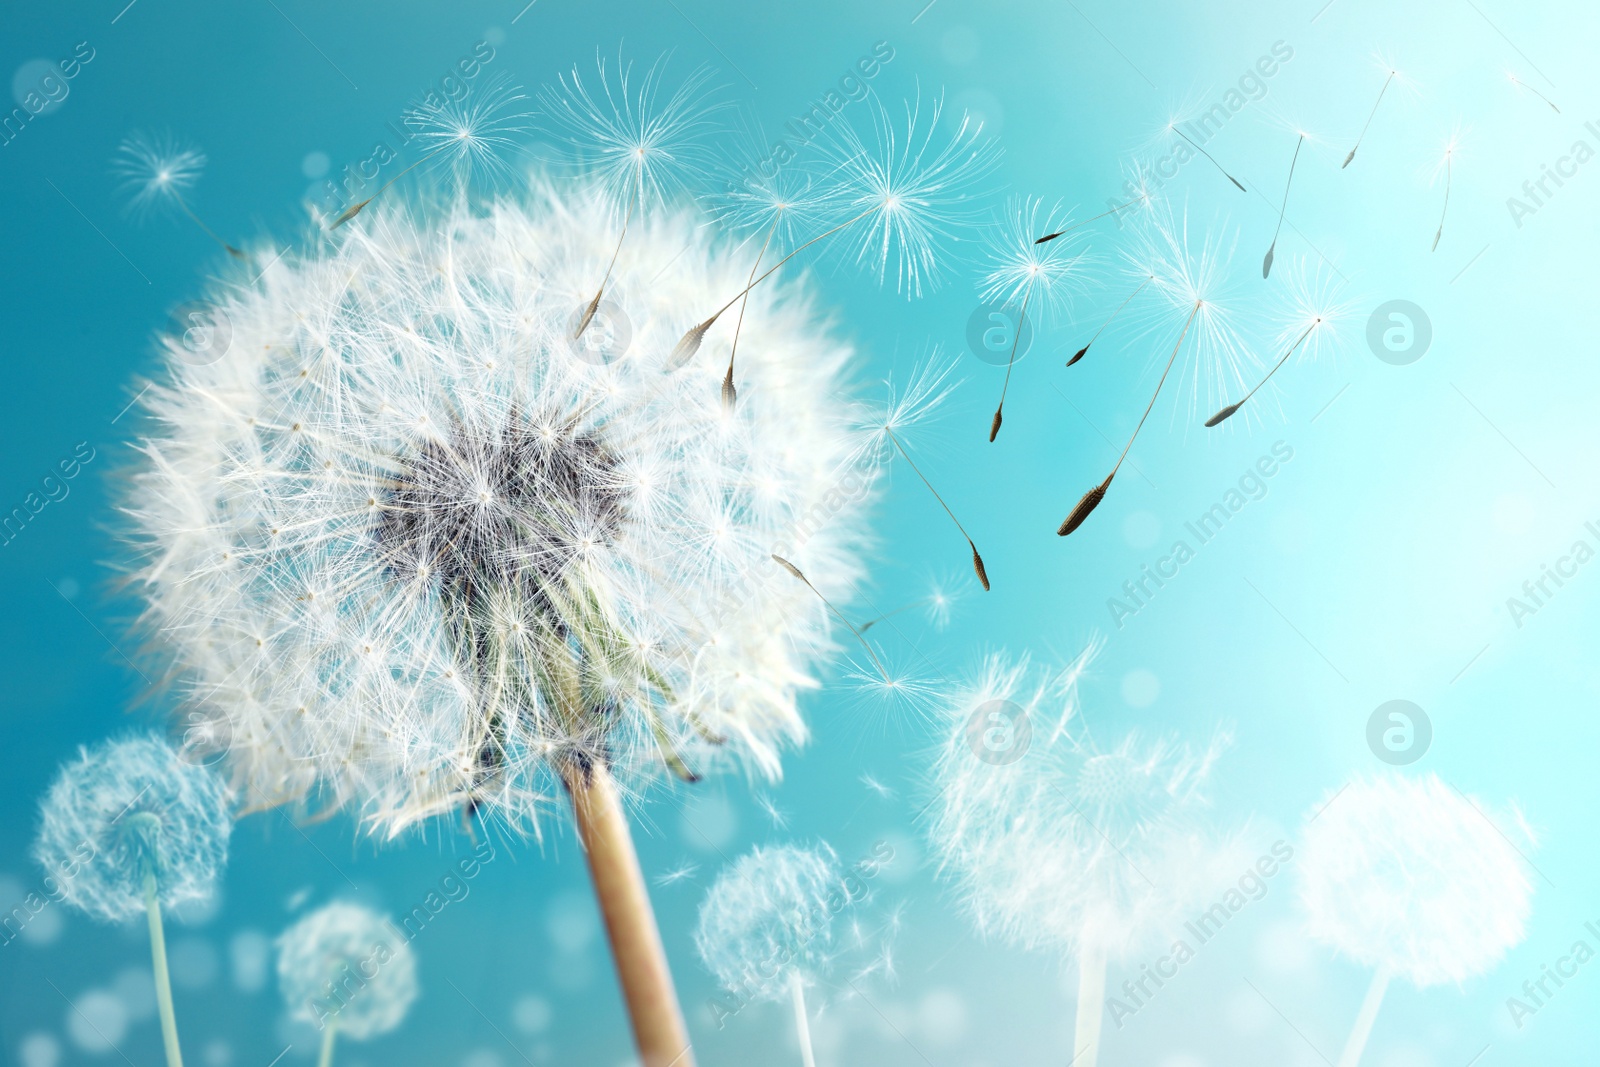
(1316, 315)
(877, 787)
(1389, 77)
(1520, 84)
(1080, 353)
(1189, 278)
(904, 198)
(792, 569)
(347, 970)
(640, 146)
(1017, 270)
(936, 605)
(1447, 164)
(1437, 897)
(977, 559)
(766, 926)
(775, 815)
(1175, 128)
(470, 136)
(413, 554)
(1142, 198)
(159, 170)
(132, 827)
(683, 872)
(1266, 263)
(1076, 848)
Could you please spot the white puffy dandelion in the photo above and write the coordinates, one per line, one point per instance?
(416, 550)
(131, 826)
(158, 169)
(1020, 267)
(348, 971)
(766, 926)
(1057, 842)
(1414, 879)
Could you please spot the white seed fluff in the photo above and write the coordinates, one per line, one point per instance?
(410, 543)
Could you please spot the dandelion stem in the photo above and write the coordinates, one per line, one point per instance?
(773, 269)
(1370, 115)
(729, 396)
(1091, 1004)
(802, 1025)
(798, 573)
(1356, 1043)
(977, 560)
(355, 209)
(1093, 218)
(1022, 318)
(1446, 209)
(158, 964)
(1080, 353)
(627, 220)
(1165, 371)
(640, 960)
(1208, 155)
(328, 1034)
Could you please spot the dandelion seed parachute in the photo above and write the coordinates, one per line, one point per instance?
(345, 969)
(159, 170)
(766, 926)
(132, 827)
(415, 550)
(1436, 897)
(1074, 847)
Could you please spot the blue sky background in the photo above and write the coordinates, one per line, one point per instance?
(1377, 566)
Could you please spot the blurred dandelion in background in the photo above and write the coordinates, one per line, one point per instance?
(1058, 841)
(348, 971)
(1414, 879)
(158, 170)
(132, 827)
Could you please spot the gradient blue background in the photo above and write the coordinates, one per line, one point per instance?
(1382, 557)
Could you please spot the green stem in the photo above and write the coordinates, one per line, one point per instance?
(328, 1034)
(158, 962)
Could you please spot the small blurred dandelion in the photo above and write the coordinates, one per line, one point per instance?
(1189, 277)
(766, 926)
(943, 593)
(1520, 84)
(1018, 268)
(348, 971)
(683, 872)
(131, 826)
(1314, 318)
(1414, 879)
(902, 200)
(469, 136)
(639, 142)
(877, 788)
(1075, 847)
(769, 807)
(159, 170)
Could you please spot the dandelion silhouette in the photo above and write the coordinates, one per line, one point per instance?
(1017, 269)
(641, 146)
(1316, 313)
(417, 553)
(158, 170)
(766, 926)
(1410, 877)
(345, 969)
(902, 198)
(1189, 279)
(1076, 848)
(469, 135)
(130, 826)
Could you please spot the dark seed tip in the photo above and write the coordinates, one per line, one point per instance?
(977, 565)
(1078, 355)
(1225, 414)
(994, 426)
(1090, 501)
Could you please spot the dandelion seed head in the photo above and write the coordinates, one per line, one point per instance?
(156, 169)
(1316, 306)
(768, 917)
(414, 549)
(347, 965)
(1073, 843)
(473, 135)
(1407, 874)
(1016, 268)
(125, 808)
